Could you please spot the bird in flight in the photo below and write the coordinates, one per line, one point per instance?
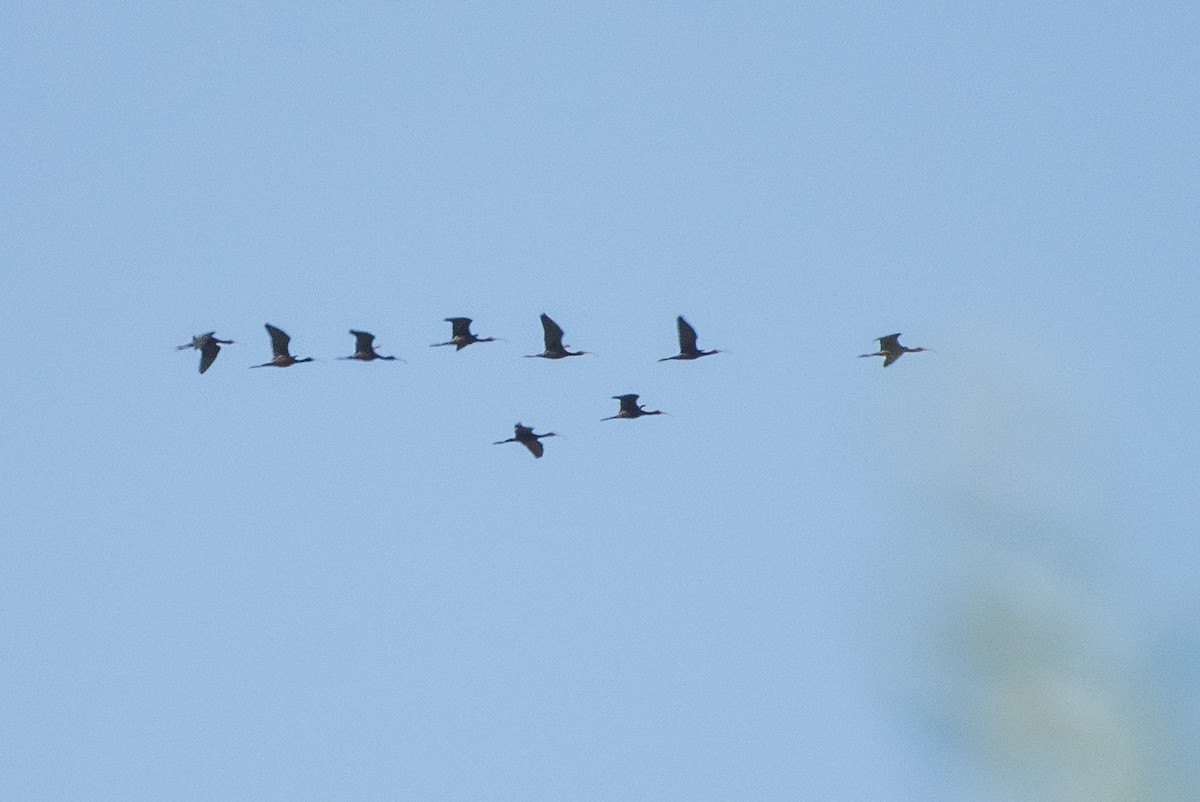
(554, 344)
(460, 334)
(526, 437)
(279, 345)
(630, 408)
(364, 347)
(891, 349)
(687, 343)
(207, 345)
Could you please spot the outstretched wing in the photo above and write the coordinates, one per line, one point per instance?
(553, 333)
(279, 340)
(534, 446)
(889, 342)
(363, 341)
(629, 403)
(459, 326)
(208, 353)
(687, 336)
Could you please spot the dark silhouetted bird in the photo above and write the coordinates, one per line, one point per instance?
(364, 347)
(460, 334)
(279, 344)
(630, 408)
(891, 349)
(687, 343)
(554, 344)
(525, 436)
(207, 345)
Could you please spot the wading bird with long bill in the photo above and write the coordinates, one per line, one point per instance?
(630, 408)
(526, 437)
(279, 345)
(207, 345)
(364, 347)
(687, 343)
(891, 349)
(461, 335)
(553, 337)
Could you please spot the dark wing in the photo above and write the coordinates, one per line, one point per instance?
(687, 336)
(534, 446)
(279, 340)
(459, 326)
(208, 353)
(889, 343)
(629, 403)
(522, 432)
(363, 341)
(553, 332)
(892, 357)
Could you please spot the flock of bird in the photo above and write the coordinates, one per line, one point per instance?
(461, 336)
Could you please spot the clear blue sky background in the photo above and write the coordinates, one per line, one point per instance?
(971, 575)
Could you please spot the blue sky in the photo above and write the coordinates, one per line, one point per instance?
(967, 576)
